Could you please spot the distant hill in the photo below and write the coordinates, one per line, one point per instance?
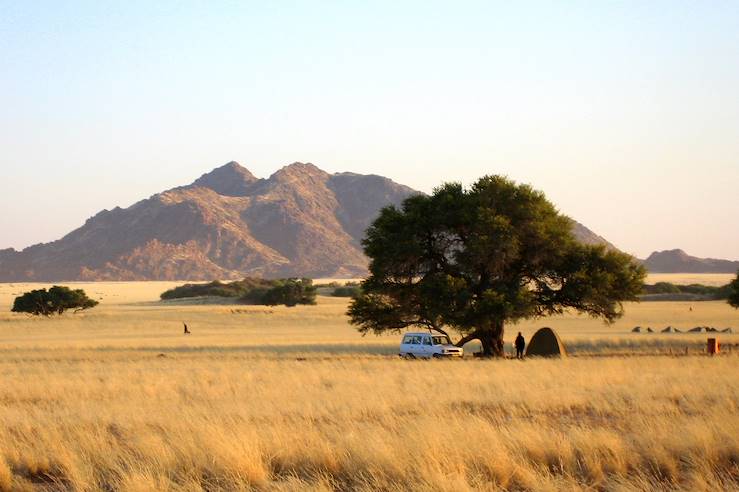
(301, 221)
(678, 261)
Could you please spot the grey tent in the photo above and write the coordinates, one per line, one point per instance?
(698, 329)
(727, 330)
(545, 343)
(670, 329)
(637, 329)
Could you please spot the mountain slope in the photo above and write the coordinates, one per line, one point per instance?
(301, 221)
(678, 261)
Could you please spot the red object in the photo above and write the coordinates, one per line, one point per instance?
(713, 346)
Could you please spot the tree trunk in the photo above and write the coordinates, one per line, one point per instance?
(491, 338)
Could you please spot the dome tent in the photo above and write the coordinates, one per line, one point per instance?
(545, 343)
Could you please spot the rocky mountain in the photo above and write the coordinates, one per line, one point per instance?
(301, 221)
(678, 261)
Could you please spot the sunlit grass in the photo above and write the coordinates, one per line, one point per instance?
(276, 398)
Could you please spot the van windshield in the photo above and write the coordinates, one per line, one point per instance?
(441, 340)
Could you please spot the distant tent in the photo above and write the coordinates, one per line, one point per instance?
(545, 343)
(698, 329)
(637, 329)
(727, 330)
(712, 329)
(649, 330)
(670, 329)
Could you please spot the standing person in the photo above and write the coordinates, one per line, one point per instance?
(520, 345)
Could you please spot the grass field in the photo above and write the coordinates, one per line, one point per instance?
(117, 398)
(715, 279)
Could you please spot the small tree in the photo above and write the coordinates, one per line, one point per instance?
(472, 260)
(54, 301)
(734, 292)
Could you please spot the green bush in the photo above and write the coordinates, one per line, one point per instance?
(290, 292)
(56, 300)
(707, 291)
(258, 291)
(732, 292)
(238, 288)
(347, 291)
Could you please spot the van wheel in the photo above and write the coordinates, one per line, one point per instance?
(409, 356)
(437, 356)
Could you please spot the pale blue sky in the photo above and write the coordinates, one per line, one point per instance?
(626, 114)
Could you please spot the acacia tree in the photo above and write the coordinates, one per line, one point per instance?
(54, 301)
(734, 292)
(471, 260)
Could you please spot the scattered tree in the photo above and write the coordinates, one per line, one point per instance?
(54, 301)
(473, 259)
(701, 292)
(347, 291)
(734, 292)
(237, 288)
(291, 292)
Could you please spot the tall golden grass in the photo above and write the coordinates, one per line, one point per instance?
(257, 398)
(77, 420)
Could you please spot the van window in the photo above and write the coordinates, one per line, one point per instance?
(441, 340)
(408, 339)
(427, 340)
(417, 340)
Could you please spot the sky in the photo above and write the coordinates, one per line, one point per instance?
(626, 114)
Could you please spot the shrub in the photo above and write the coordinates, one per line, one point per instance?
(289, 292)
(707, 292)
(732, 292)
(238, 288)
(662, 288)
(347, 291)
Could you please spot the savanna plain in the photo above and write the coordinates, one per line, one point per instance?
(276, 398)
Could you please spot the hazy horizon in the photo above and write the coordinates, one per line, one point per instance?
(626, 115)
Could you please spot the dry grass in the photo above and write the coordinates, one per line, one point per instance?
(715, 279)
(293, 399)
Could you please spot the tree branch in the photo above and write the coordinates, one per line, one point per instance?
(467, 338)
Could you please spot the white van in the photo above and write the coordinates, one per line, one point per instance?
(427, 345)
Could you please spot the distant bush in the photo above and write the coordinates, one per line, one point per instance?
(56, 300)
(238, 288)
(707, 292)
(733, 292)
(347, 291)
(290, 292)
(662, 288)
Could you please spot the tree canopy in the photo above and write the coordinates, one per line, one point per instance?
(473, 259)
(734, 292)
(56, 300)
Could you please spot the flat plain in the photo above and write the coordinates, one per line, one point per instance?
(275, 398)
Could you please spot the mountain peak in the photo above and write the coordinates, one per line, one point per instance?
(230, 179)
(299, 170)
(678, 261)
(671, 255)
